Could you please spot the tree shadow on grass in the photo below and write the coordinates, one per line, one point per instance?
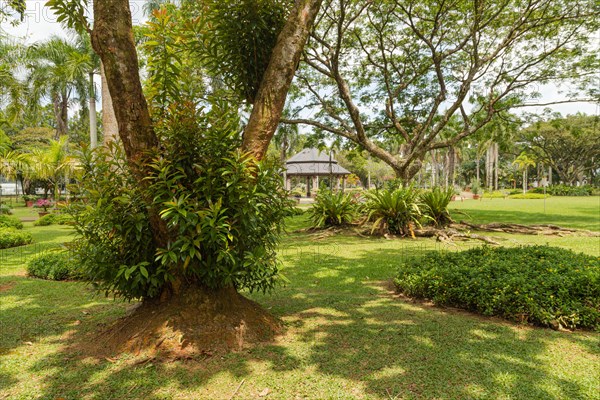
(345, 332)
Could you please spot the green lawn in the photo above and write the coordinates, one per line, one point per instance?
(575, 212)
(348, 336)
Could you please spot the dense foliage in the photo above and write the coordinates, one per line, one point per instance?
(564, 190)
(7, 221)
(332, 209)
(530, 196)
(224, 213)
(56, 266)
(394, 211)
(54, 219)
(434, 205)
(11, 237)
(539, 284)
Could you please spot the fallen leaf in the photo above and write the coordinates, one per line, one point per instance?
(29, 343)
(265, 392)
(78, 322)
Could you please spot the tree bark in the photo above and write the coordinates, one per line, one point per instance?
(93, 116)
(277, 79)
(112, 39)
(109, 120)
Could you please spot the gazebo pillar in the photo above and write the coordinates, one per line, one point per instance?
(343, 183)
(315, 183)
(308, 183)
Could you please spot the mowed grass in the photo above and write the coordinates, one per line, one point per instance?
(348, 336)
(572, 212)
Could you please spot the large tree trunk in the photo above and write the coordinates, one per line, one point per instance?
(187, 309)
(109, 120)
(93, 116)
(61, 107)
(277, 79)
(451, 164)
(477, 170)
(112, 39)
(496, 165)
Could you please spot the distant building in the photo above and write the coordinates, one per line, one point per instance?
(310, 164)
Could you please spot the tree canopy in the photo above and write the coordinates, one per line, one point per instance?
(402, 71)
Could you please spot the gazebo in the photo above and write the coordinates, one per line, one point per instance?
(311, 164)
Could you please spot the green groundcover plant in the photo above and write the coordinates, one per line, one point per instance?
(54, 219)
(11, 237)
(7, 221)
(542, 285)
(56, 265)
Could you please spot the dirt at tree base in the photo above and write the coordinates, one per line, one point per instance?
(194, 323)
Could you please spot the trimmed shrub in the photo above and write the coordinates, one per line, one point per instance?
(332, 209)
(56, 266)
(497, 194)
(5, 209)
(564, 190)
(542, 285)
(530, 196)
(434, 205)
(394, 211)
(54, 219)
(7, 221)
(11, 237)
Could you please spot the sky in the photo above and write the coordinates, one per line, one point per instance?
(40, 23)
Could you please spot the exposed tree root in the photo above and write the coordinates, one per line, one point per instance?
(194, 323)
(449, 234)
(541, 229)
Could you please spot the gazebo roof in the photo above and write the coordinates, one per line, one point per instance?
(312, 162)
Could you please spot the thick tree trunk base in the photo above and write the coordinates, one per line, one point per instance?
(192, 324)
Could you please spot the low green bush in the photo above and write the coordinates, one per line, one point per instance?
(564, 190)
(332, 209)
(496, 194)
(57, 266)
(11, 237)
(542, 285)
(7, 221)
(54, 219)
(529, 196)
(5, 209)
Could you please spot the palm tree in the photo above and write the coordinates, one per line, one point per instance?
(53, 164)
(12, 90)
(524, 161)
(88, 58)
(59, 71)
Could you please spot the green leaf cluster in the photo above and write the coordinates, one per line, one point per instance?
(239, 40)
(434, 205)
(394, 211)
(224, 212)
(333, 209)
